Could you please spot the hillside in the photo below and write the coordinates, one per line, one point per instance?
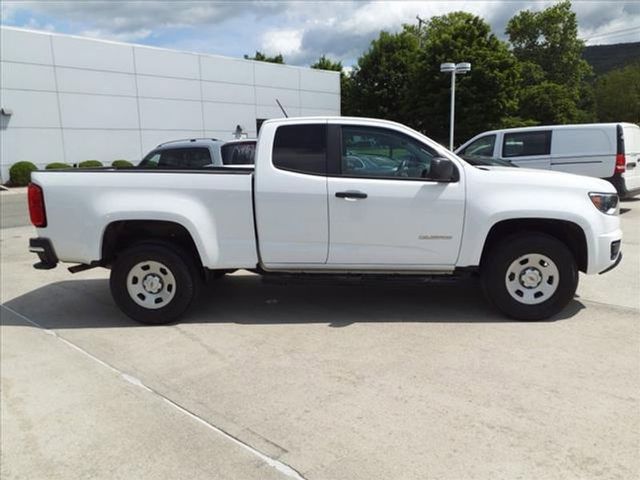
(604, 58)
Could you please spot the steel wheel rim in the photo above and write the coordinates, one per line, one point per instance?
(151, 284)
(532, 279)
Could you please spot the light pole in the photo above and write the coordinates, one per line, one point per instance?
(454, 69)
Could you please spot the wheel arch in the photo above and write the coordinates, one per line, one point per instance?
(570, 233)
(121, 234)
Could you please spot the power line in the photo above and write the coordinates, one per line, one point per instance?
(614, 32)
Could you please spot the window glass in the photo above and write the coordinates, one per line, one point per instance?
(238, 153)
(378, 152)
(524, 144)
(151, 160)
(482, 147)
(184, 158)
(301, 148)
(177, 158)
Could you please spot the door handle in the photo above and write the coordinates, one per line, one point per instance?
(351, 194)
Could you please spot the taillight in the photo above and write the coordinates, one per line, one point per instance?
(621, 163)
(37, 212)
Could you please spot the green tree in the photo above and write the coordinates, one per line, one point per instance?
(261, 57)
(548, 103)
(550, 53)
(617, 95)
(379, 84)
(324, 63)
(485, 98)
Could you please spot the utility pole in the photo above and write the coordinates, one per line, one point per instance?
(454, 69)
(420, 22)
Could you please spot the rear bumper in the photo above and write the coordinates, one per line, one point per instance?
(44, 249)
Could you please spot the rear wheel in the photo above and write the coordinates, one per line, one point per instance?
(530, 276)
(154, 283)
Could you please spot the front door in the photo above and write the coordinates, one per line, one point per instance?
(384, 212)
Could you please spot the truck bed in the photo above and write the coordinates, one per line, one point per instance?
(215, 205)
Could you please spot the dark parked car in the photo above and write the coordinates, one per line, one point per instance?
(198, 153)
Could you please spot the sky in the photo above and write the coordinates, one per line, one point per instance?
(302, 31)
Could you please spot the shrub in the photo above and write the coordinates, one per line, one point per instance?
(122, 164)
(56, 165)
(90, 164)
(20, 173)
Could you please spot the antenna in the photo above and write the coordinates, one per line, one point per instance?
(282, 108)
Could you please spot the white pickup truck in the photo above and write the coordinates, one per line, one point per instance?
(333, 196)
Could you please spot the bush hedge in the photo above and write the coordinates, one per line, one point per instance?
(56, 165)
(122, 164)
(90, 164)
(20, 174)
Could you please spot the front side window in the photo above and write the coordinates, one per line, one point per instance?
(525, 144)
(482, 147)
(177, 158)
(301, 148)
(378, 152)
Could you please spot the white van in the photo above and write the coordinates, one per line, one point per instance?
(605, 150)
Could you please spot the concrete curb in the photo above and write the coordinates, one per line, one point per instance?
(13, 190)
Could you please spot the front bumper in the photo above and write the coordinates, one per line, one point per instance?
(604, 252)
(614, 265)
(44, 249)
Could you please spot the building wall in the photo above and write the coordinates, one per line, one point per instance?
(76, 98)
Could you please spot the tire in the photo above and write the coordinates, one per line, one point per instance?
(154, 283)
(529, 276)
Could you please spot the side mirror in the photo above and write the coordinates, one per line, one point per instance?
(441, 170)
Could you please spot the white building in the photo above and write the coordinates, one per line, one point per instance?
(66, 99)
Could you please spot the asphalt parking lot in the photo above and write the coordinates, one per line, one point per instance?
(317, 381)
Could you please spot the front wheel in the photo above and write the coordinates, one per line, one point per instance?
(153, 283)
(530, 276)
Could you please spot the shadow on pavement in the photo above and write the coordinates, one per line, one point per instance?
(246, 299)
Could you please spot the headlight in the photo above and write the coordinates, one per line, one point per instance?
(605, 202)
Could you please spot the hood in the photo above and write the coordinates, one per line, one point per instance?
(544, 178)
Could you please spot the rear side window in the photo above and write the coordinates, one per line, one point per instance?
(301, 148)
(525, 144)
(238, 153)
(177, 158)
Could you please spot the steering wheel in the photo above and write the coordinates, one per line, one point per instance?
(403, 169)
